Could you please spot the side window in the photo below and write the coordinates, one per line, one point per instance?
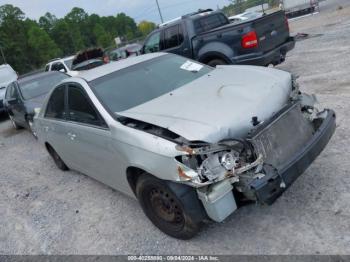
(55, 107)
(11, 92)
(153, 43)
(58, 67)
(80, 108)
(173, 36)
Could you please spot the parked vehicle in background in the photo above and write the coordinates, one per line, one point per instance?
(7, 76)
(63, 65)
(125, 52)
(88, 59)
(26, 94)
(209, 37)
(187, 140)
(295, 7)
(245, 16)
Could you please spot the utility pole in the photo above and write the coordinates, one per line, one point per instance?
(160, 13)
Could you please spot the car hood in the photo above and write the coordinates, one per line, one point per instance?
(219, 105)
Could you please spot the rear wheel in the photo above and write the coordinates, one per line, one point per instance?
(166, 211)
(216, 62)
(57, 159)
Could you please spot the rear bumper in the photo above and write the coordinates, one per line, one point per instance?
(275, 56)
(270, 187)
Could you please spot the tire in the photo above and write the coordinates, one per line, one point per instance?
(216, 62)
(164, 208)
(14, 124)
(57, 159)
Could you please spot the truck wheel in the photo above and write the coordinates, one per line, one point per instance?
(165, 210)
(57, 159)
(215, 62)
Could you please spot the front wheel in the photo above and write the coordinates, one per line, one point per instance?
(57, 159)
(165, 209)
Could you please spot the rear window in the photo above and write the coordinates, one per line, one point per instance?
(34, 87)
(209, 22)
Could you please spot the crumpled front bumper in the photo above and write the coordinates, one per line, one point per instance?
(275, 182)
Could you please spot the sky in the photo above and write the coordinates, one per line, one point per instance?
(137, 9)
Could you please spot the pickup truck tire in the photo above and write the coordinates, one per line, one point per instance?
(215, 62)
(165, 209)
(57, 159)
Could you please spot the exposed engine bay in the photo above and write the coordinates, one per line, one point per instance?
(266, 148)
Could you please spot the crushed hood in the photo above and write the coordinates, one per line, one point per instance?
(219, 105)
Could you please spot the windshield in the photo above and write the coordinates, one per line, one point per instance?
(7, 75)
(34, 87)
(69, 63)
(145, 81)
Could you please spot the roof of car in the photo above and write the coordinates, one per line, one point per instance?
(103, 70)
(60, 59)
(37, 76)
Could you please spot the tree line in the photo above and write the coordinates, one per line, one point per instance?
(28, 44)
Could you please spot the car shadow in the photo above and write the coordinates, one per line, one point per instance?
(3, 117)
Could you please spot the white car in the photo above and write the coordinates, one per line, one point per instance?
(7, 76)
(244, 17)
(61, 64)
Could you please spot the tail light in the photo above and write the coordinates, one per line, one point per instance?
(250, 40)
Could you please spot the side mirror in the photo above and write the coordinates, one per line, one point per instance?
(62, 70)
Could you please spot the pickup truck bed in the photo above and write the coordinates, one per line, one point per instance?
(210, 38)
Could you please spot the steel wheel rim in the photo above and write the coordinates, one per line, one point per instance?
(166, 208)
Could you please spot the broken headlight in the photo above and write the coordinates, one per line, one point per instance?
(211, 163)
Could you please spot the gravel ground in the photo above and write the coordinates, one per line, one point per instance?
(46, 211)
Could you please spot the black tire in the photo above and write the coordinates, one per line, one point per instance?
(57, 159)
(164, 208)
(14, 124)
(216, 62)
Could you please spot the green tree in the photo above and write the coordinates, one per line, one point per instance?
(103, 39)
(47, 22)
(146, 27)
(41, 45)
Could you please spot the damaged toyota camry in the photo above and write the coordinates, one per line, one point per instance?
(190, 142)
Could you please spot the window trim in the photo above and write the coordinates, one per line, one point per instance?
(77, 85)
(64, 104)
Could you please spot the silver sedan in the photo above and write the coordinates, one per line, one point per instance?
(190, 142)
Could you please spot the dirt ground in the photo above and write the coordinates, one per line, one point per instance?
(46, 211)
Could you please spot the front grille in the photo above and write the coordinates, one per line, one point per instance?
(279, 140)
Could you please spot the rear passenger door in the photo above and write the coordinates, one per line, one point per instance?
(174, 41)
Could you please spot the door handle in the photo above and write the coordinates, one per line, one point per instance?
(72, 136)
(46, 128)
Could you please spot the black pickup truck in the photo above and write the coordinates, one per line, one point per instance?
(209, 37)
